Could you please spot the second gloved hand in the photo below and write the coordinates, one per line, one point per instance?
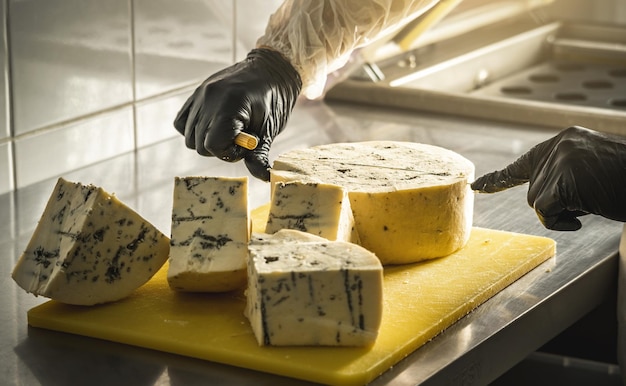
(577, 172)
(255, 96)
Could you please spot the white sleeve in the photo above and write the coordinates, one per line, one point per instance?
(318, 36)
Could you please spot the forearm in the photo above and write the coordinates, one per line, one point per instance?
(317, 36)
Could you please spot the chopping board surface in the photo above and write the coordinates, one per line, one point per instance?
(420, 301)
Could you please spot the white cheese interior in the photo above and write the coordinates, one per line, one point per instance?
(209, 234)
(306, 290)
(410, 201)
(89, 248)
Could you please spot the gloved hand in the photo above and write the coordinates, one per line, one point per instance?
(577, 172)
(255, 96)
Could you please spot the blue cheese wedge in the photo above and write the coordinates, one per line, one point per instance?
(304, 290)
(209, 234)
(410, 201)
(89, 248)
(317, 208)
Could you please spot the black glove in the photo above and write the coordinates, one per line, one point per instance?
(577, 172)
(255, 96)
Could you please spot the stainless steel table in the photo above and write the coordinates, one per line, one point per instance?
(473, 351)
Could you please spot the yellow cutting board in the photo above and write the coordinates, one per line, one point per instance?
(420, 301)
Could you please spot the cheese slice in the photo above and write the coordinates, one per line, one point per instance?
(89, 248)
(317, 208)
(209, 234)
(410, 201)
(307, 290)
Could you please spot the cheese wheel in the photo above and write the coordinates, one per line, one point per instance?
(410, 201)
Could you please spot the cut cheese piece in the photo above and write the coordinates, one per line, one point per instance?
(410, 201)
(209, 235)
(317, 208)
(307, 290)
(89, 248)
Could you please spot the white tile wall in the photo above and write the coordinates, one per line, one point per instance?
(69, 58)
(251, 18)
(179, 42)
(155, 117)
(49, 153)
(6, 161)
(93, 79)
(4, 91)
(6, 168)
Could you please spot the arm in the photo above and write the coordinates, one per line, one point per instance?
(318, 36)
(304, 40)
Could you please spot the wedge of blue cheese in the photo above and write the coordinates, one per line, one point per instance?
(209, 234)
(304, 290)
(317, 208)
(89, 248)
(410, 201)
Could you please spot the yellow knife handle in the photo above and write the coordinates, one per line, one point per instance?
(246, 141)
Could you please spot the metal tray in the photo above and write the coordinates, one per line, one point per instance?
(556, 74)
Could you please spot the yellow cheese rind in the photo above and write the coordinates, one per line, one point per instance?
(413, 224)
(411, 202)
(220, 281)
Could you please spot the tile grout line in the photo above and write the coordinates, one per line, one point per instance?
(103, 111)
(9, 94)
(133, 79)
(9, 112)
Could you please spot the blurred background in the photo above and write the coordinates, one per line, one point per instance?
(87, 80)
